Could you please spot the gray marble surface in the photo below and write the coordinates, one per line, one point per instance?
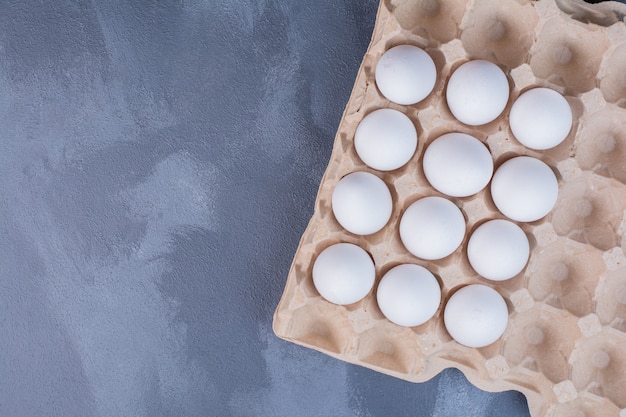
(159, 161)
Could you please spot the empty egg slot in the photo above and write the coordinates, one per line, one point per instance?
(432, 19)
(542, 343)
(599, 367)
(499, 31)
(565, 275)
(382, 347)
(568, 55)
(310, 327)
(589, 210)
(602, 143)
(611, 299)
(613, 81)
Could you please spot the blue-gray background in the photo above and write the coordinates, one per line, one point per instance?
(158, 164)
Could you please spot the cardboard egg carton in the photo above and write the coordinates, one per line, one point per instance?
(565, 344)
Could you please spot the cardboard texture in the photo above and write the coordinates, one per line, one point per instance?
(565, 344)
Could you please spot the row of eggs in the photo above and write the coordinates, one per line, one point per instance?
(524, 188)
(409, 295)
(432, 227)
(458, 165)
(477, 93)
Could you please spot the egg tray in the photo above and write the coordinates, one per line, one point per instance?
(565, 344)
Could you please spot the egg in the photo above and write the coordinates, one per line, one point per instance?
(385, 139)
(405, 74)
(477, 92)
(476, 316)
(361, 203)
(408, 295)
(540, 118)
(432, 228)
(498, 250)
(524, 189)
(343, 273)
(457, 164)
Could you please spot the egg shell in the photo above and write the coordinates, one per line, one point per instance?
(385, 139)
(498, 250)
(476, 316)
(408, 295)
(457, 164)
(343, 273)
(524, 189)
(540, 118)
(477, 92)
(362, 203)
(406, 74)
(432, 228)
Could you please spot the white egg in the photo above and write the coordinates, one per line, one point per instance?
(408, 295)
(540, 118)
(458, 165)
(405, 74)
(432, 228)
(361, 203)
(476, 316)
(477, 92)
(385, 139)
(524, 189)
(498, 250)
(343, 273)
